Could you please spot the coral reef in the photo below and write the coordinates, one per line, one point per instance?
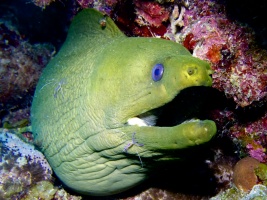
(239, 65)
(246, 129)
(21, 66)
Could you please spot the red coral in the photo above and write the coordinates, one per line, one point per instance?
(151, 12)
(214, 53)
(125, 16)
(190, 42)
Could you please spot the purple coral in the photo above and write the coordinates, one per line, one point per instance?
(253, 137)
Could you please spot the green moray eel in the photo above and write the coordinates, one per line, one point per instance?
(88, 106)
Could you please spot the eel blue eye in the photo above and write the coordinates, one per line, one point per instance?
(157, 72)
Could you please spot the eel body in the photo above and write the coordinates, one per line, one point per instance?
(88, 106)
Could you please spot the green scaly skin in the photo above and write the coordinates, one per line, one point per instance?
(98, 80)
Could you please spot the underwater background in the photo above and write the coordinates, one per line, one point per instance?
(230, 35)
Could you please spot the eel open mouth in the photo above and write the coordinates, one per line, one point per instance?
(193, 103)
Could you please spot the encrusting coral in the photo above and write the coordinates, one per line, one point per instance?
(258, 192)
(21, 166)
(261, 172)
(244, 176)
(24, 171)
(21, 64)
